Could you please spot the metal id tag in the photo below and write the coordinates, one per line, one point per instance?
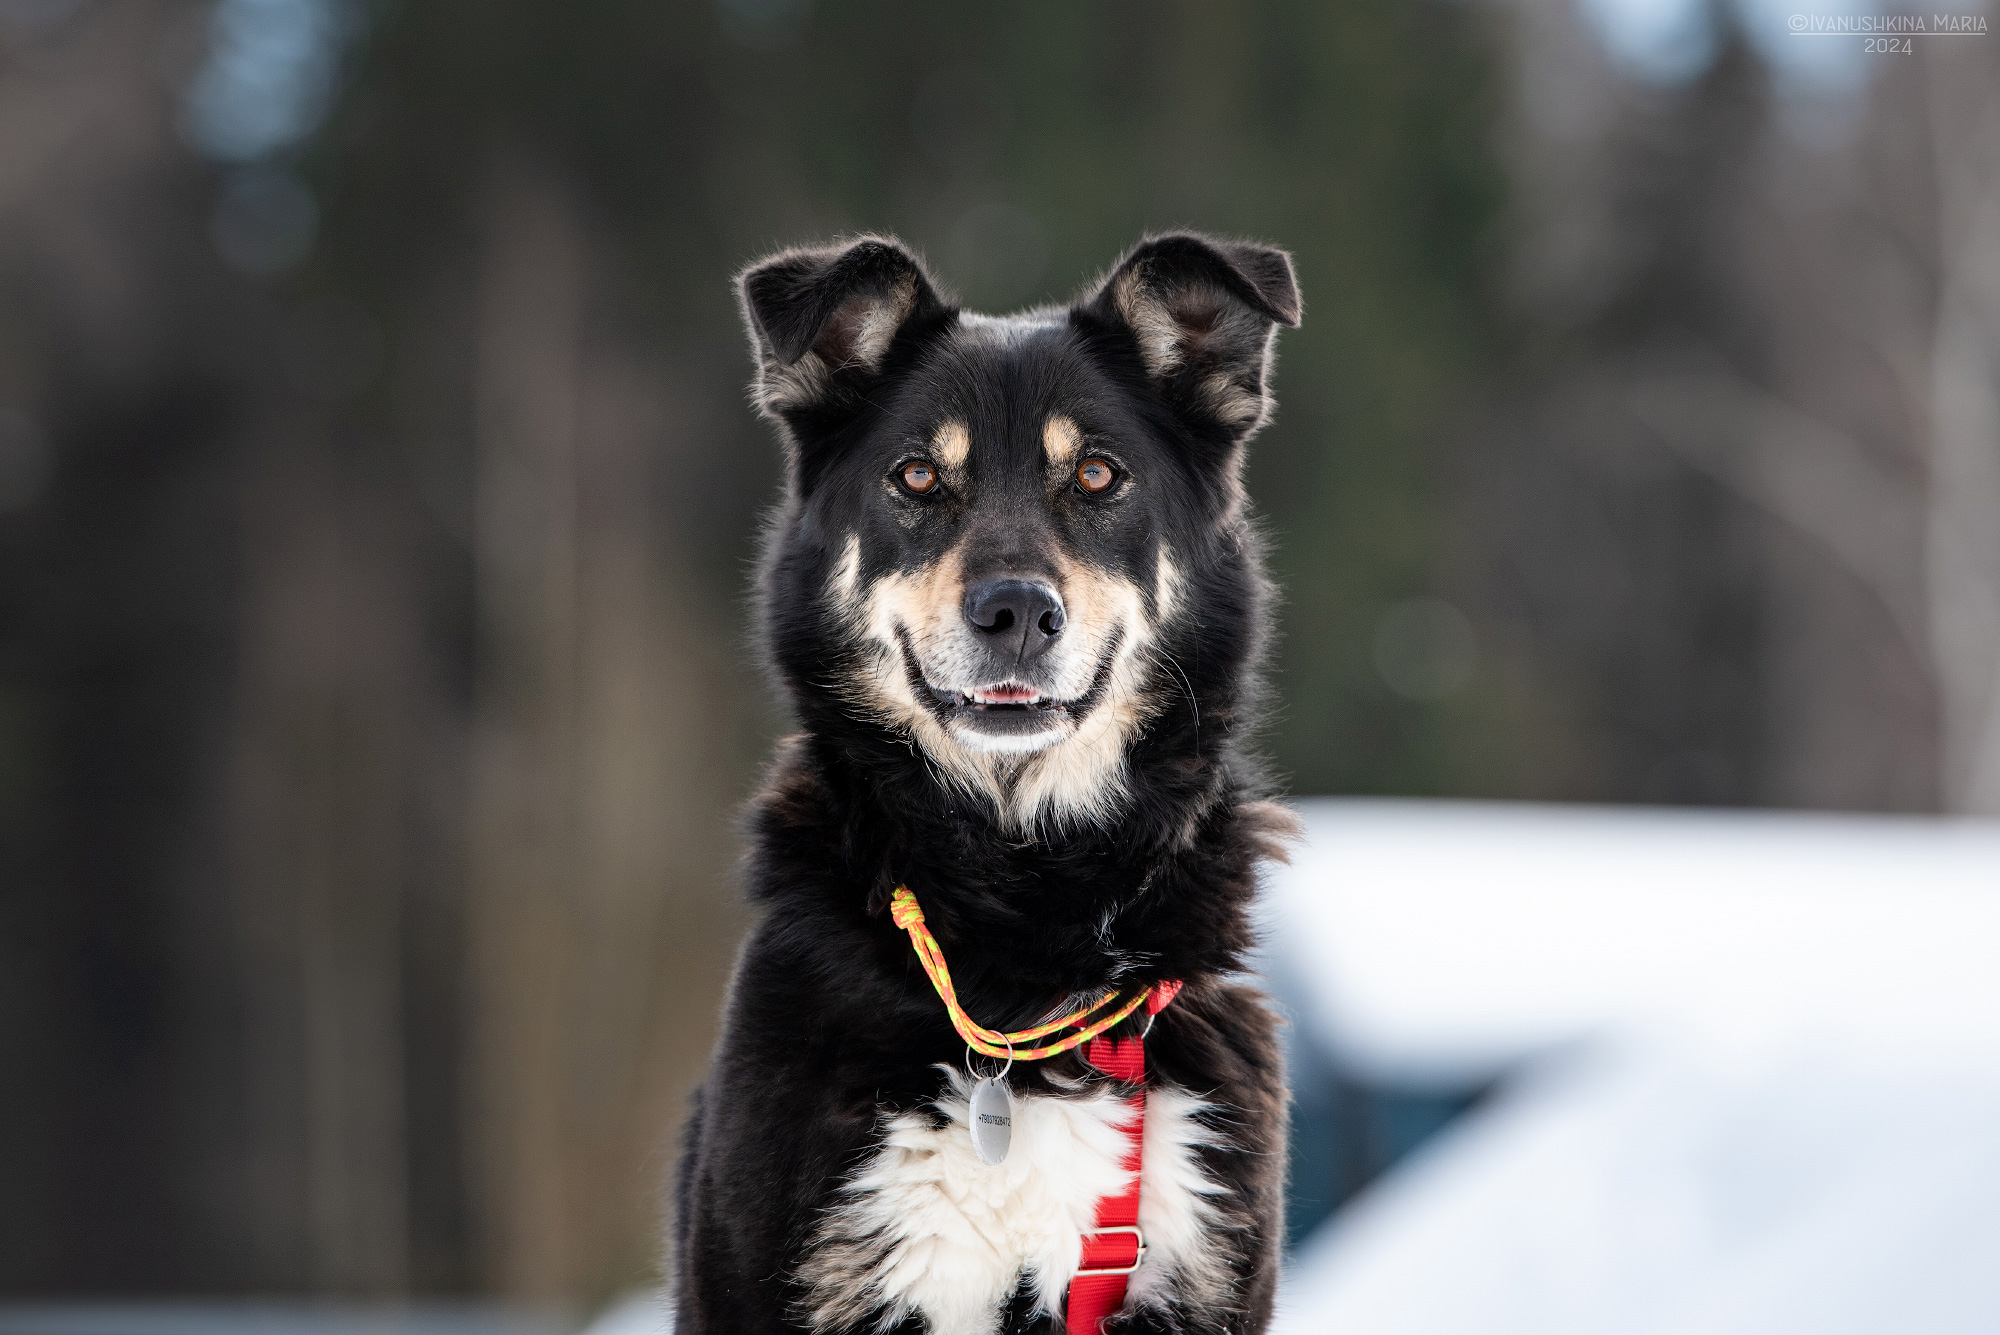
(992, 1120)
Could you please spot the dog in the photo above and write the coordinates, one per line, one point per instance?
(1015, 596)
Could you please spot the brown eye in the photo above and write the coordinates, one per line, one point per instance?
(1095, 475)
(919, 476)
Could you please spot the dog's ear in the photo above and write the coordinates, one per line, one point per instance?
(1203, 316)
(825, 324)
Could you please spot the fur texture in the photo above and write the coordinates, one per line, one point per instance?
(924, 1226)
(1017, 605)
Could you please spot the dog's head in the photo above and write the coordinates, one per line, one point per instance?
(1016, 542)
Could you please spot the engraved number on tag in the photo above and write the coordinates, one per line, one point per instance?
(992, 1121)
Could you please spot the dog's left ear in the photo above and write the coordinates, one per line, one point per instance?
(1203, 315)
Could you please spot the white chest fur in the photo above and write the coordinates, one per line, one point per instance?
(925, 1227)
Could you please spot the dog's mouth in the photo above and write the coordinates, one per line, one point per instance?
(1006, 697)
(1010, 713)
(1007, 715)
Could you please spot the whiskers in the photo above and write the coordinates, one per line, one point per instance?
(1161, 656)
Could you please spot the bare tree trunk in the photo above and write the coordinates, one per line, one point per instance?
(1964, 537)
(524, 840)
(330, 654)
(598, 841)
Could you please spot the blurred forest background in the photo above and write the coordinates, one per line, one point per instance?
(378, 490)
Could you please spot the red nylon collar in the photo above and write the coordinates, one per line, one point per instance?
(1115, 1247)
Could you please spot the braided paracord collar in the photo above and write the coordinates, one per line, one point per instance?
(906, 914)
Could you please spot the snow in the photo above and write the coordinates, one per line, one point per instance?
(1755, 1068)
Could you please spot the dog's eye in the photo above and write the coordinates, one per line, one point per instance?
(1095, 475)
(919, 477)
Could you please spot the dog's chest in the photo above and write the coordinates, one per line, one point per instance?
(925, 1227)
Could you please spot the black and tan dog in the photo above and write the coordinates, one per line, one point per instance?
(1017, 603)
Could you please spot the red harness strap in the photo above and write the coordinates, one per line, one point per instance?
(1114, 1249)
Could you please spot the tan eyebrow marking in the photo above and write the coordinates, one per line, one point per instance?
(1061, 440)
(952, 444)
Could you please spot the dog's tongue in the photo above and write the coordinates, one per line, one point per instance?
(1004, 695)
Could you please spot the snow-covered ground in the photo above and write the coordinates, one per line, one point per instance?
(1750, 1068)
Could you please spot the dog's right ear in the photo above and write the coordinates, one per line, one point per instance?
(826, 324)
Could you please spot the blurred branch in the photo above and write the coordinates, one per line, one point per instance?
(1818, 480)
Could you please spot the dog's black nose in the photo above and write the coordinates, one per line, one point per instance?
(1017, 613)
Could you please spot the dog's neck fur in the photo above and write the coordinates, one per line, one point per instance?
(1161, 890)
